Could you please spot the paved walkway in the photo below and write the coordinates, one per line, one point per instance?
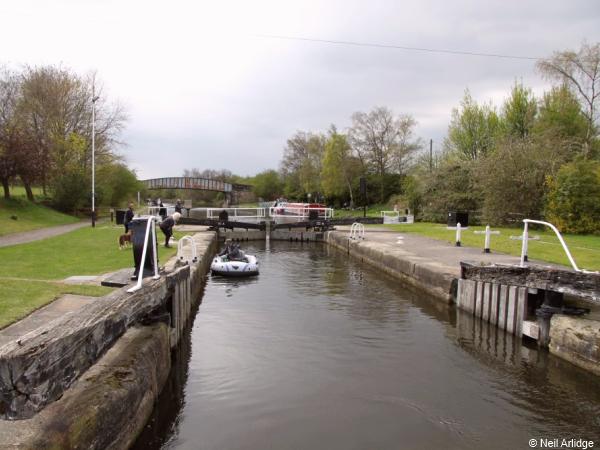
(42, 233)
(441, 253)
(42, 316)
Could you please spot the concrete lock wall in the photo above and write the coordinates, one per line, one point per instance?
(577, 340)
(116, 355)
(423, 275)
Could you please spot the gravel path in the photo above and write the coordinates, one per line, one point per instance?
(42, 233)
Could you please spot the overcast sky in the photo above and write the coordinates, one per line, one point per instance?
(203, 90)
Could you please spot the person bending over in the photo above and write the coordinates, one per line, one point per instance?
(167, 225)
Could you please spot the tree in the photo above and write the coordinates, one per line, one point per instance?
(301, 164)
(512, 177)
(383, 142)
(519, 111)
(473, 130)
(116, 184)
(267, 185)
(452, 186)
(340, 167)
(574, 197)
(9, 133)
(55, 104)
(560, 116)
(581, 72)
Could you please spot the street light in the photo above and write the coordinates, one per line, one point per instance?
(94, 100)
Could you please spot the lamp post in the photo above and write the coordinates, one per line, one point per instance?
(94, 99)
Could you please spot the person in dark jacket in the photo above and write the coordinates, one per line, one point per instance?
(167, 225)
(128, 217)
(178, 206)
(162, 211)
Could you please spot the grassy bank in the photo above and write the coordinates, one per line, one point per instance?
(86, 251)
(29, 216)
(584, 248)
(30, 273)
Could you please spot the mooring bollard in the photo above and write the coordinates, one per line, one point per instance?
(458, 234)
(488, 232)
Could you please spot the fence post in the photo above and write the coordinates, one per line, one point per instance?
(458, 234)
(524, 245)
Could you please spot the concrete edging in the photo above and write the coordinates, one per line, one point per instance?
(422, 275)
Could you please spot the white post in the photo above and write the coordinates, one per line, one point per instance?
(487, 239)
(524, 245)
(458, 234)
(94, 98)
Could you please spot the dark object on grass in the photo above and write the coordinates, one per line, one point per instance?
(14, 217)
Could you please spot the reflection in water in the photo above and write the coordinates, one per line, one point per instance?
(322, 352)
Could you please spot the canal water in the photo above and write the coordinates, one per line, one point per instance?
(321, 351)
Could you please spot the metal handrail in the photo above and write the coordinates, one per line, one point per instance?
(299, 211)
(357, 231)
(188, 239)
(260, 212)
(548, 224)
(156, 276)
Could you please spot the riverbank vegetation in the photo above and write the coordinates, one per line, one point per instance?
(46, 136)
(534, 157)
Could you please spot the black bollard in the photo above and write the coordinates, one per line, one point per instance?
(138, 233)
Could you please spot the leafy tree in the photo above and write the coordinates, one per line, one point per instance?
(116, 184)
(302, 163)
(581, 72)
(55, 103)
(340, 167)
(383, 142)
(519, 111)
(574, 197)
(512, 178)
(560, 116)
(473, 130)
(268, 185)
(69, 182)
(9, 132)
(452, 186)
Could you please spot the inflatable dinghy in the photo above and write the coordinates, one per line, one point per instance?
(242, 266)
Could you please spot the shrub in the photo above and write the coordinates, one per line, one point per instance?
(573, 201)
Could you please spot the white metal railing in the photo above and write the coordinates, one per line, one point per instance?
(526, 223)
(155, 210)
(237, 213)
(390, 216)
(186, 239)
(357, 231)
(300, 212)
(150, 226)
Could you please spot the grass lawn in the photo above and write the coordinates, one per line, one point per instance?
(21, 298)
(86, 251)
(584, 248)
(30, 216)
